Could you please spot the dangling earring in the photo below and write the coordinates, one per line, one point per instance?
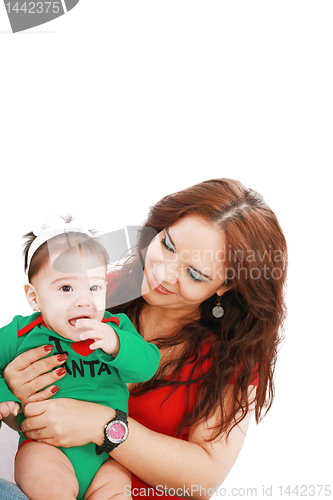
(218, 310)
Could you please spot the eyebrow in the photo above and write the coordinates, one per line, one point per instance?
(64, 278)
(68, 278)
(193, 268)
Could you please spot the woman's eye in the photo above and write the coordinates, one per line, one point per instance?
(166, 243)
(195, 276)
(95, 288)
(66, 288)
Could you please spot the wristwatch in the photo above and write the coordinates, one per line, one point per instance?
(115, 433)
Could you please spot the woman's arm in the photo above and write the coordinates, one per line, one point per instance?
(195, 465)
(191, 466)
(156, 458)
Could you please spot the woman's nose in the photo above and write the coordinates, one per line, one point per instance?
(167, 272)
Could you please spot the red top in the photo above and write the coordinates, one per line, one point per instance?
(150, 410)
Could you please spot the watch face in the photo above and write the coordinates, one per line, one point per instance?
(117, 431)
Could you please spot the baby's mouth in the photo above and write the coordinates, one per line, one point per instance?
(73, 320)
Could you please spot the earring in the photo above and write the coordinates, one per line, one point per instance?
(218, 310)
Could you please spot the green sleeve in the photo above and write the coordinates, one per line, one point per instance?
(8, 342)
(137, 360)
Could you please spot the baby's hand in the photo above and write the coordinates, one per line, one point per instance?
(9, 407)
(104, 335)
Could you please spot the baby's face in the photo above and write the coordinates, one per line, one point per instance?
(64, 296)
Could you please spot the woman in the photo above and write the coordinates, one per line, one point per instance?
(211, 297)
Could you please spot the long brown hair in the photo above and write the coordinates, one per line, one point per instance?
(246, 339)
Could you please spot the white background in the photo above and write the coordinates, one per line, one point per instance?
(117, 103)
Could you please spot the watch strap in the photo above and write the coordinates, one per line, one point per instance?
(107, 446)
(121, 415)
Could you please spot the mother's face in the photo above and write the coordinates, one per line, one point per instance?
(184, 265)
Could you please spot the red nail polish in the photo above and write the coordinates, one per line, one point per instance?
(61, 371)
(48, 348)
(62, 357)
(54, 389)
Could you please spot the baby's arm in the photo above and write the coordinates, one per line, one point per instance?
(8, 407)
(103, 334)
(9, 403)
(134, 358)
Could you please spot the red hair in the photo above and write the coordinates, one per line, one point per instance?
(249, 333)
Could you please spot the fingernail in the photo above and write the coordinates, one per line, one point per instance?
(61, 371)
(54, 389)
(62, 357)
(48, 348)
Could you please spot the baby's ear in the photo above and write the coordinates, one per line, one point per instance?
(31, 295)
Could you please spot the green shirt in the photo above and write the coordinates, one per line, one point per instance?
(92, 375)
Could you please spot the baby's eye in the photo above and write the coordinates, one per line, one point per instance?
(95, 288)
(66, 288)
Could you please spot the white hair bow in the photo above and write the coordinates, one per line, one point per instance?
(53, 226)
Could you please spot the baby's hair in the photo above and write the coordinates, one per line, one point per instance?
(66, 240)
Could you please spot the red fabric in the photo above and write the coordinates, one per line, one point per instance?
(150, 410)
(30, 326)
(112, 318)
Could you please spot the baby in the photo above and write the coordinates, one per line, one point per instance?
(67, 287)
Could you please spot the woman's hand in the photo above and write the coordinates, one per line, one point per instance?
(66, 422)
(31, 371)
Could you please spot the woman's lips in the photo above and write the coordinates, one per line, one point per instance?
(158, 287)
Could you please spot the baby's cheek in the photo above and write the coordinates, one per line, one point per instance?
(100, 312)
(99, 307)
